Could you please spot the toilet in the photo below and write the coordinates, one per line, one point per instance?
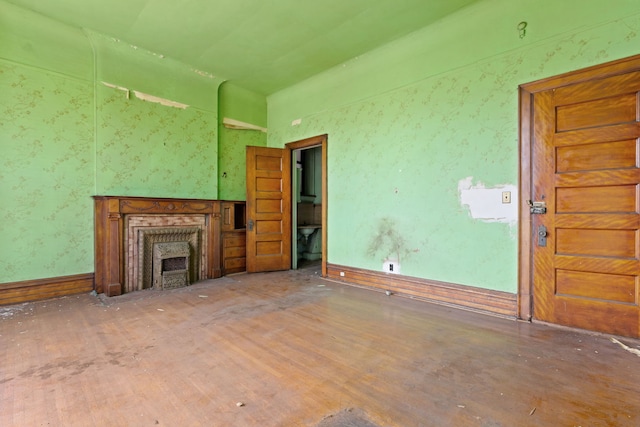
(313, 250)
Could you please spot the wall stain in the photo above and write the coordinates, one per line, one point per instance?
(388, 242)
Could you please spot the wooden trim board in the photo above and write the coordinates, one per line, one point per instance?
(38, 289)
(488, 301)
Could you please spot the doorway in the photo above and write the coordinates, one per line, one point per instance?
(580, 187)
(309, 202)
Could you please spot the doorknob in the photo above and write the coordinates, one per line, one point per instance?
(542, 235)
(250, 225)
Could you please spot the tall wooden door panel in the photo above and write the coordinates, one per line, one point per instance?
(268, 209)
(585, 170)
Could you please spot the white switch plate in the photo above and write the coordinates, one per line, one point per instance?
(506, 197)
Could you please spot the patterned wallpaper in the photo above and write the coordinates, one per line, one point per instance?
(232, 160)
(46, 174)
(395, 159)
(148, 149)
(59, 149)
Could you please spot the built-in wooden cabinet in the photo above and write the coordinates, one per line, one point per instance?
(234, 237)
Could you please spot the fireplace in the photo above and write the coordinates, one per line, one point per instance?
(130, 229)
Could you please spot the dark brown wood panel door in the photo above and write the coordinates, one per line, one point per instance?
(585, 169)
(268, 209)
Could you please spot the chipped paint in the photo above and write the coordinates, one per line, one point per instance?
(158, 100)
(112, 86)
(158, 55)
(237, 124)
(9, 311)
(485, 204)
(203, 73)
(148, 98)
(626, 347)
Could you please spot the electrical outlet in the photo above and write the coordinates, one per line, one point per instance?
(342, 274)
(391, 266)
(506, 197)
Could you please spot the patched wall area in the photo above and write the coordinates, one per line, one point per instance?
(495, 204)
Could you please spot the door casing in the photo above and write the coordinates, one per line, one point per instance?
(316, 141)
(527, 92)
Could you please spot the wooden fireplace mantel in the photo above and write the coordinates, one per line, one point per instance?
(110, 212)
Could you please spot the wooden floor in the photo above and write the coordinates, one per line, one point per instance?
(296, 349)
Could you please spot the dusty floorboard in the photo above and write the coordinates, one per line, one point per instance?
(292, 349)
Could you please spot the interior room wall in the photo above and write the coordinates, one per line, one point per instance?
(245, 106)
(156, 124)
(84, 114)
(423, 133)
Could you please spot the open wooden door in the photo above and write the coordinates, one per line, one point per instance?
(268, 209)
(586, 247)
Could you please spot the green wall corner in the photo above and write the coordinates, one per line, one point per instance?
(247, 107)
(87, 115)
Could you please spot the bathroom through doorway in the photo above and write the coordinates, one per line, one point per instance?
(309, 202)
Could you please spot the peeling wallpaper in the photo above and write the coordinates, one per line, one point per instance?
(396, 158)
(149, 149)
(46, 174)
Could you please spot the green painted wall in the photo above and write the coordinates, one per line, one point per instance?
(46, 174)
(249, 107)
(146, 148)
(66, 136)
(409, 124)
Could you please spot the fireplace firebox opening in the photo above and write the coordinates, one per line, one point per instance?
(170, 265)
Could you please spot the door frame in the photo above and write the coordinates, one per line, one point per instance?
(315, 141)
(527, 93)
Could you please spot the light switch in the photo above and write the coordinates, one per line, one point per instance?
(506, 197)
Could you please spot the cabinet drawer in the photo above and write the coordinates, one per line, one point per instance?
(235, 252)
(235, 264)
(234, 241)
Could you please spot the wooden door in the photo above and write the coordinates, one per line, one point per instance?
(585, 169)
(268, 209)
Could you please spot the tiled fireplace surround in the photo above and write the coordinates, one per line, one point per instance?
(138, 250)
(121, 221)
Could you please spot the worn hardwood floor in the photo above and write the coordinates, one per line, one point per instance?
(296, 349)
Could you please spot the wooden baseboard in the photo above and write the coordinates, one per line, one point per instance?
(33, 290)
(466, 297)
